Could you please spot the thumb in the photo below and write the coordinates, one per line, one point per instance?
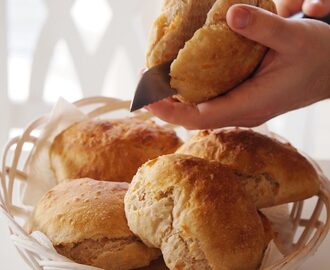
(261, 26)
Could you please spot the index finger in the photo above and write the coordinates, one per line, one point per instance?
(233, 109)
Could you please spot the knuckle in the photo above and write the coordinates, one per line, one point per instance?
(275, 27)
(267, 27)
(188, 124)
(189, 127)
(306, 31)
(261, 120)
(254, 121)
(196, 123)
(299, 41)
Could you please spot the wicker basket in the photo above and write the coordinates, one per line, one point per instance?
(36, 249)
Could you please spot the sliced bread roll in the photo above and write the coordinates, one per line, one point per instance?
(176, 24)
(209, 59)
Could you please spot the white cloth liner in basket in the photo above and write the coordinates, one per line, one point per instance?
(37, 178)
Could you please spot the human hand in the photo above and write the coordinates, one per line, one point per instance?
(313, 8)
(294, 73)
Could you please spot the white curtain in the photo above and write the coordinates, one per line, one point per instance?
(68, 48)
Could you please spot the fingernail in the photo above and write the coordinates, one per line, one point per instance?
(241, 18)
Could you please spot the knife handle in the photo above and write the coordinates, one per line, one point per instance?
(301, 15)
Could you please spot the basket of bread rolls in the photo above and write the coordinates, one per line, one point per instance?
(108, 189)
(93, 186)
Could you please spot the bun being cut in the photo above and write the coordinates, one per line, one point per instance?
(197, 213)
(216, 59)
(272, 172)
(209, 58)
(176, 24)
(85, 221)
(109, 150)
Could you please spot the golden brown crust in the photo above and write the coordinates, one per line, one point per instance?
(85, 221)
(272, 172)
(197, 213)
(216, 59)
(110, 150)
(176, 24)
(82, 209)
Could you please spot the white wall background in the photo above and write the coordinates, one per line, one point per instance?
(68, 48)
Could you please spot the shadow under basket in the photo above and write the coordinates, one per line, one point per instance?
(310, 221)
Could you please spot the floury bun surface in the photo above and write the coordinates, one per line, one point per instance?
(196, 212)
(271, 172)
(109, 150)
(85, 221)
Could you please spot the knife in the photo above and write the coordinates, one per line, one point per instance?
(154, 84)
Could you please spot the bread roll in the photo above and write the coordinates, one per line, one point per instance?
(197, 213)
(176, 24)
(272, 172)
(110, 150)
(216, 59)
(209, 58)
(85, 221)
